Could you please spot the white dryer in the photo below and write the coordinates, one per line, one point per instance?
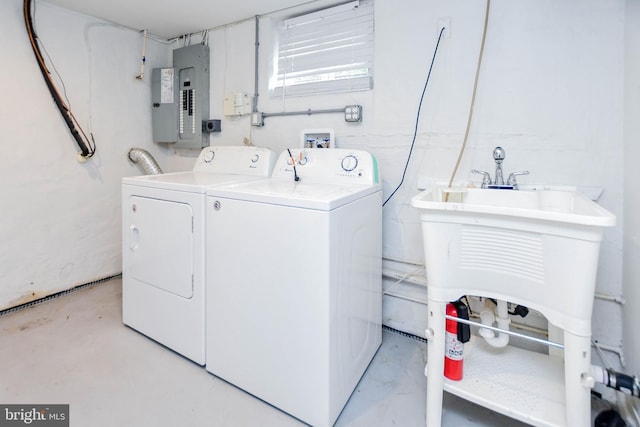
(163, 245)
(294, 295)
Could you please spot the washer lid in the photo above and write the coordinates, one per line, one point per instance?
(301, 194)
(193, 182)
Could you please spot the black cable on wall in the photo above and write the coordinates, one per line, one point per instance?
(86, 145)
(415, 130)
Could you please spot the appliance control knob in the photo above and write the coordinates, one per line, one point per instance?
(208, 156)
(255, 158)
(349, 163)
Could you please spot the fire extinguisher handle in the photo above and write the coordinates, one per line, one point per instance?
(464, 330)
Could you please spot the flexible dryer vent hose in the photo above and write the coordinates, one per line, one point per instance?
(146, 161)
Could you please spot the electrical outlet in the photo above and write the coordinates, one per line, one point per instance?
(446, 23)
(353, 113)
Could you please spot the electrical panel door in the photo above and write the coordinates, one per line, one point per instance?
(180, 98)
(164, 96)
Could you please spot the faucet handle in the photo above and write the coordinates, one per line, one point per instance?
(512, 178)
(486, 178)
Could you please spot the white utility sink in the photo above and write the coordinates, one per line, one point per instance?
(537, 248)
(551, 205)
(534, 248)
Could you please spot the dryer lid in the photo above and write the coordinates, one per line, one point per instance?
(193, 182)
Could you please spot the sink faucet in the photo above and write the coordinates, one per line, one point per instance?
(498, 182)
(498, 156)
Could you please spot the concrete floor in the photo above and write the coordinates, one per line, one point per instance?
(75, 350)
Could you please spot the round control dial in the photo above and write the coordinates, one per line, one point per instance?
(349, 163)
(255, 158)
(208, 156)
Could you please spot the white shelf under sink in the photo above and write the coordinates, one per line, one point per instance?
(521, 384)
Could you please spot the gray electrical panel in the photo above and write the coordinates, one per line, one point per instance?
(180, 98)
(164, 84)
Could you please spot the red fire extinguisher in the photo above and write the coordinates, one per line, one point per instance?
(455, 336)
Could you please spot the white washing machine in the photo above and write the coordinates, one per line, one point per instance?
(294, 294)
(163, 245)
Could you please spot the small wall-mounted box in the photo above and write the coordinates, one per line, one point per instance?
(212, 125)
(353, 113)
(237, 104)
(317, 138)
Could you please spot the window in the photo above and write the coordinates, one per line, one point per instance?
(330, 50)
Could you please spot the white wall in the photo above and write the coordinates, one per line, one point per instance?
(631, 275)
(60, 219)
(551, 92)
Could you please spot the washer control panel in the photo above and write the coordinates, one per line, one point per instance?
(328, 166)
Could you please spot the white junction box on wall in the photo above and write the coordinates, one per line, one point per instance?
(317, 138)
(237, 104)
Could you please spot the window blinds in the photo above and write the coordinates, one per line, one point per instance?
(330, 50)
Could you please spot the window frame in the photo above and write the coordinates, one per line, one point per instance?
(334, 58)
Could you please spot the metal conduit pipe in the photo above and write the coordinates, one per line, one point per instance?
(402, 261)
(145, 160)
(254, 108)
(613, 298)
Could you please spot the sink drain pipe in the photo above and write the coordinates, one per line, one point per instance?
(145, 160)
(616, 380)
(487, 317)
